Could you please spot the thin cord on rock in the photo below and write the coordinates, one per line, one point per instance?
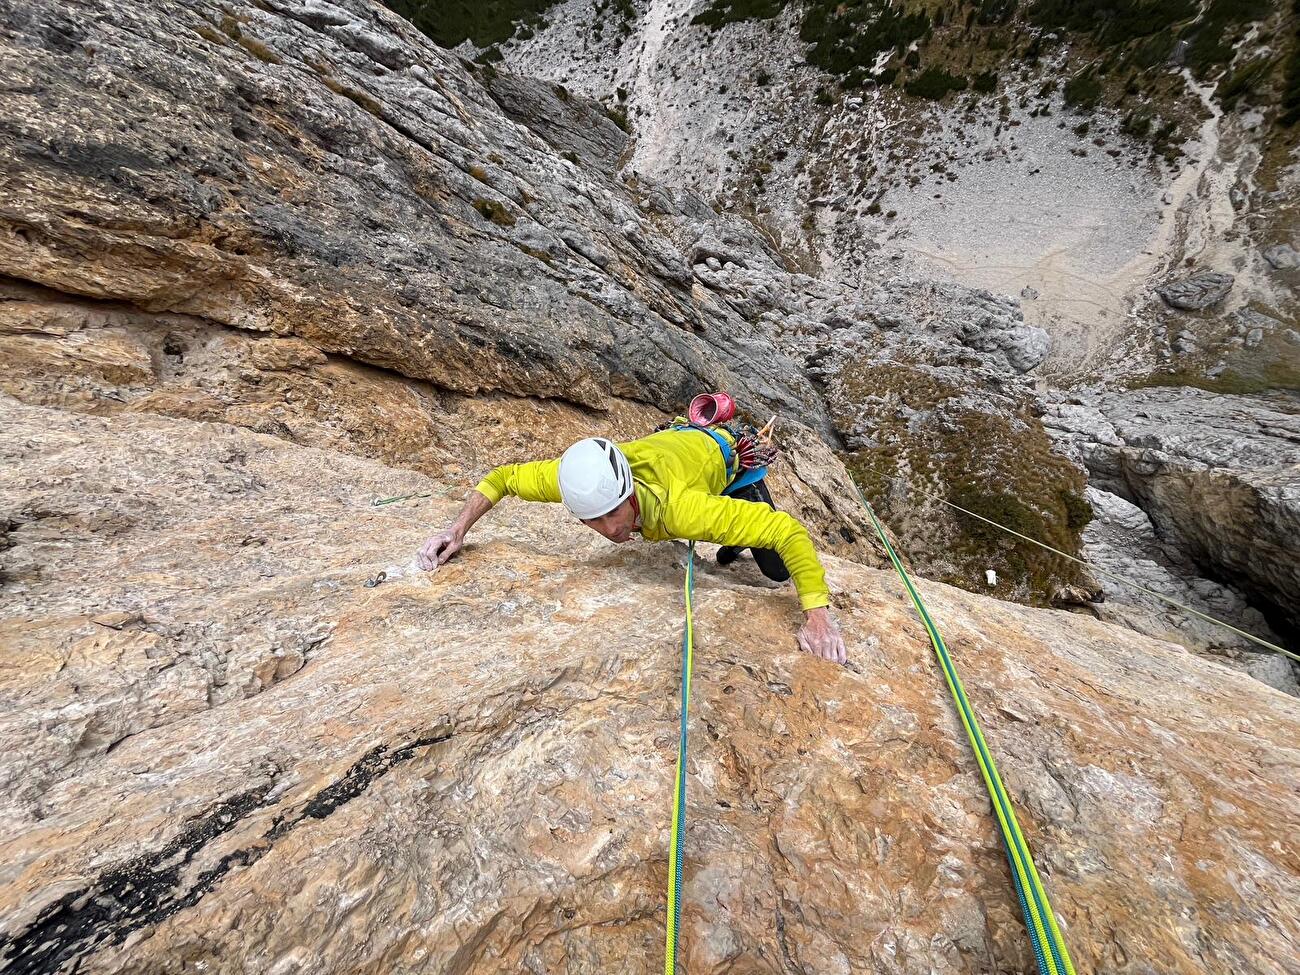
(1091, 568)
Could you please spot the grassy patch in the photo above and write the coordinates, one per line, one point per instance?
(494, 211)
(1083, 91)
(1000, 466)
(1243, 377)
(209, 34)
(619, 117)
(1291, 75)
(359, 98)
(259, 50)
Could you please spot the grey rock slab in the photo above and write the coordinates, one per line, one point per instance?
(1219, 476)
(1198, 291)
(1282, 257)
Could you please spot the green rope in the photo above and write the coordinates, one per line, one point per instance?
(1049, 947)
(678, 833)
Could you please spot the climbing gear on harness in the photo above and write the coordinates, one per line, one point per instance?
(1095, 569)
(745, 454)
(595, 477)
(710, 408)
(1049, 946)
(376, 502)
(679, 786)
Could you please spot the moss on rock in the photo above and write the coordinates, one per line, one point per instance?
(929, 439)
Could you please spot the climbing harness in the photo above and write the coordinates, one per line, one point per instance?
(401, 497)
(1097, 570)
(679, 786)
(1049, 946)
(746, 453)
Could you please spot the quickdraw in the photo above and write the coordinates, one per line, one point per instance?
(376, 502)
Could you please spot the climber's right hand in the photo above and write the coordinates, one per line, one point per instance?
(820, 636)
(440, 548)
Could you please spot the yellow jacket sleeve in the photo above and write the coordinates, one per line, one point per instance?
(536, 481)
(731, 521)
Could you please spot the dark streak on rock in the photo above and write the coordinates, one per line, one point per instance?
(373, 765)
(124, 899)
(149, 889)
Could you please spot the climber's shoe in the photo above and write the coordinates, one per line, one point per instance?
(728, 554)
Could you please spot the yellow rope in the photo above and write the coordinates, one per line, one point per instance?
(1049, 946)
(677, 835)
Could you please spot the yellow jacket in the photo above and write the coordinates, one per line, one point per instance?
(678, 477)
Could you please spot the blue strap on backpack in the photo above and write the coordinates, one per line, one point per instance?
(735, 480)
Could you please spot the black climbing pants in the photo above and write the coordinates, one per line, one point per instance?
(769, 563)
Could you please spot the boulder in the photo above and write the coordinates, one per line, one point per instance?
(1198, 291)
(1282, 257)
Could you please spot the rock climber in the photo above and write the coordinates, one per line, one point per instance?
(666, 485)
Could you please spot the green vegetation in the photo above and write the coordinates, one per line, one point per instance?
(359, 98)
(935, 83)
(1241, 83)
(993, 12)
(1121, 52)
(1271, 365)
(999, 466)
(210, 35)
(1083, 91)
(1214, 38)
(1291, 74)
(846, 36)
(1142, 33)
(722, 12)
(619, 117)
(484, 22)
(1111, 22)
(258, 49)
(1137, 124)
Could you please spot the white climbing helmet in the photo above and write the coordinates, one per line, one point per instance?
(595, 477)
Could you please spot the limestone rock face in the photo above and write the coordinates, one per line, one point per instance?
(1282, 257)
(1218, 475)
(323, 171)
(262, 263)
(1122, 539)
(222, 747)
(324, 177)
